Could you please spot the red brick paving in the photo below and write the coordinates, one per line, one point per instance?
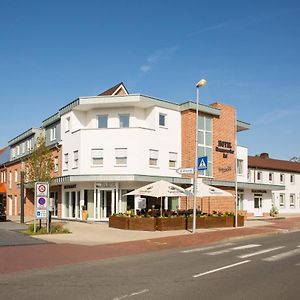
(20, 258)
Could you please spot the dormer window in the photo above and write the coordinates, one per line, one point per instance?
(52, 134)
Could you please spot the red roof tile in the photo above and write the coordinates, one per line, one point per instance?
(263, 162)
(111, 91)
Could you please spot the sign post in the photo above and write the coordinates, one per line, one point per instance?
(41, 203)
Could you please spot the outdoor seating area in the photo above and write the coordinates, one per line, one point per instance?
(152, 220)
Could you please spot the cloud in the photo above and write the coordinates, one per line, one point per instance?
(156, 57)
(277, 115)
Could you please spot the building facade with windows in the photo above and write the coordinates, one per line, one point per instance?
(107, 145)
(285, 175)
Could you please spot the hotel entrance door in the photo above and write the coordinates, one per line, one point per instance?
(104, 204)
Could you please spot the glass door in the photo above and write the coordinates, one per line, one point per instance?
(104, 207)
(258, 206)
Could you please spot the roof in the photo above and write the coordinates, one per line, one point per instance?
(4, 155)
(264, 162)
(114, 90)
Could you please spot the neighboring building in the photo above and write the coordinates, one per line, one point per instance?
(281, 174)
(4, 158)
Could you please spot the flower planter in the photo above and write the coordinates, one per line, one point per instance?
(144, 224)
(214, 222)
(165, 224)
(119, 222)
(84, 215)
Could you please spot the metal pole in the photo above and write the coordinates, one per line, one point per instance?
(196, 164)
(22, 194)
(236, 188)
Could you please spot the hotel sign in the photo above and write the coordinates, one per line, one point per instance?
(224, 147)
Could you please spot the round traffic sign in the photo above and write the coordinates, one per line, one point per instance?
(42, 201)
(42, 188)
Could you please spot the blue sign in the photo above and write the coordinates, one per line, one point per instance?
(202, 163)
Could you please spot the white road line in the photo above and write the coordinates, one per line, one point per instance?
(260, 252)
(282, 255)
(222, 268)
(206, 248)
(233, 249)
(132, 294)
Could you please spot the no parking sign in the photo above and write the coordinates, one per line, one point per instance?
(41, 199)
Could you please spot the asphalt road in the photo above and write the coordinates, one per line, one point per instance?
(10, 235)
(261, 268)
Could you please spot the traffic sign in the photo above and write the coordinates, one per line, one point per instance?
(41, 213)
(42, 189)
(202, 163)
(185, 171)
(42, 201)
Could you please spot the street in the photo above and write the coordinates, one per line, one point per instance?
(252, 268)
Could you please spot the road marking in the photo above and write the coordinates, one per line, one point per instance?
(132, 294)
(282, 255)
(233, 249)
(206, 248)
(260, 252)
(222, 268)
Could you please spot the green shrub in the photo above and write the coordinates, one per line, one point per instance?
(55, 228)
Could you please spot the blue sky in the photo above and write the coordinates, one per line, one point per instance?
(52, 52)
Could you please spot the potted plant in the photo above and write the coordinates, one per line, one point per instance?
(84, 213)
(273, 211)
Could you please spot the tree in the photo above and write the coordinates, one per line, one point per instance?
(39, 166)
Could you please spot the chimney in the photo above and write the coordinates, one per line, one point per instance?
(264, 155)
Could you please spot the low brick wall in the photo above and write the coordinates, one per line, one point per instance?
(215, 222)
(119, 222)
(165, 224)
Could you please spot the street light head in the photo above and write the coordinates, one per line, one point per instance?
(202, 82)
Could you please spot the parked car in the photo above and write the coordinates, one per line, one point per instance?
(2, 213)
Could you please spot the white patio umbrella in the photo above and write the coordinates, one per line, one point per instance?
(159, 189)
(205, 190)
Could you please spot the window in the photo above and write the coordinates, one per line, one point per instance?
(102, 121)
(172, 159)
(10, 179)
(292, 179)
(23, 148)
(121, 156)
(66, 161)
(97, 157)
(52, 134)
(281, 178)
(271, 177)
(259, 176)
(28, 145)
(13, 152)
(292, 200)
(18, 150)
(282, 200)
(153, 157)
(162, 120)
(240, 168)
(75, 159)
(67, 124)
(205, 142)
(16, 176)
(249, 175)
(56, 166)
(124, 121)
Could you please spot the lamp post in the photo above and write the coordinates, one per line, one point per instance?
(22, 193)
(201, 83)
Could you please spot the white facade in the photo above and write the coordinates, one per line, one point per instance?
(286, 200)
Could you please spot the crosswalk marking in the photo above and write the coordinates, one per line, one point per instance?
(282, 255)
(233, 249)
(206, 248)
(260, 252)
(222, 268)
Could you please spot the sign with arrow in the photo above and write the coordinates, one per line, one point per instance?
(185, 171)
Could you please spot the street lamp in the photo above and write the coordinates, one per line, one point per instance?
(201, 83)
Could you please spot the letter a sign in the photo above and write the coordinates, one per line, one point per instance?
(202, 163)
